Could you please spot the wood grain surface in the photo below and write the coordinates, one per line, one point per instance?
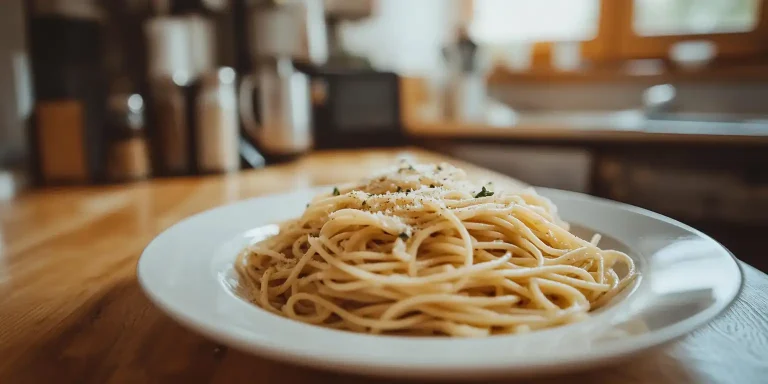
(71, 310)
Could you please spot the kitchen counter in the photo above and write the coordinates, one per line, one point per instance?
(494, 121)
(71, 309)
(588, 127)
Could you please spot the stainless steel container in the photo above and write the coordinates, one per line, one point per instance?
(218, 131)
(283, 32)
(284, 126)
(466, 90)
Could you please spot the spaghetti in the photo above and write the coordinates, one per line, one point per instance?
(422, 250)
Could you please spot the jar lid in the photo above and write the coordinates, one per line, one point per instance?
(126, 112)
(220, 76)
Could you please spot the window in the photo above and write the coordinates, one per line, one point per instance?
(510, 21)
(733, 27)
(693, 17)
(528, 34)
(610, 32)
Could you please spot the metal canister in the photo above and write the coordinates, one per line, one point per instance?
(217, 134)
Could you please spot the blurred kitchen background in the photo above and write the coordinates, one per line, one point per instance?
(658, 103)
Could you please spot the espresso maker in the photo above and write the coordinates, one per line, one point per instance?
(275, 103)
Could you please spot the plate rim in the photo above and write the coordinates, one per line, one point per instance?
(274, 351)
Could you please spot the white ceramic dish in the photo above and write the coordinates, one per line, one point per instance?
(687, 280)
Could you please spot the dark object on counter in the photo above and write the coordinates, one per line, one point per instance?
(67, 133)
(128, 154)
(354, 108)
(218, 125)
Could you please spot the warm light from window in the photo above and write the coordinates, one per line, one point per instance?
(513, 21)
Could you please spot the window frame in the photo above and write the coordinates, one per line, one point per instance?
(602, 47)
(738, 44)
(616, 40)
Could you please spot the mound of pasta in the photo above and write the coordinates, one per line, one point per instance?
(422, 250)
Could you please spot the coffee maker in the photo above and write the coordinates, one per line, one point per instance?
(275, 97)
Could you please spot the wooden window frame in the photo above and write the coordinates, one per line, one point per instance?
(739, 44)
(603, 47)
(616, 43)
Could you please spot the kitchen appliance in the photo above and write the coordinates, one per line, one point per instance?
(356, 108)
(282, 33)
(336, 13)
(283, 126)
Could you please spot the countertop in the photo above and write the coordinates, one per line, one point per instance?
(490, 120)
(71, 310)
(591, 127)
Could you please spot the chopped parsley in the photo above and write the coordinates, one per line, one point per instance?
(399, 189)
(336, 191)
(484, 193)
(403, 236)
(439, 168)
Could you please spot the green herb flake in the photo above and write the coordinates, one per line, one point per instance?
(399, 189)
(336, 191)
(483, 193)
(439, 168)
(431, 185)
(403, 236)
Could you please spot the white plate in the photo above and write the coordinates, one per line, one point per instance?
(687, 280)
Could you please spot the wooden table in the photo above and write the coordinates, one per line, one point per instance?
(71, 310)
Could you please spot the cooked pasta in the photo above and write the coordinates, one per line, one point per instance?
(422, 250)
